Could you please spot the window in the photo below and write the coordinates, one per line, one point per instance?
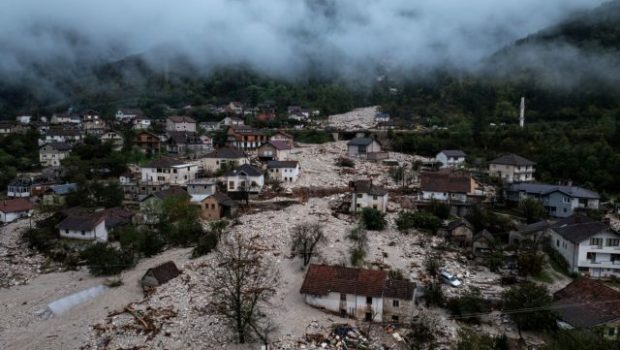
(613, 242)
(395, 303)
(394, 318)
(374, 197)
(611, 331)
(557, 242)
(343, 297)
(596, 241)
(67, 231)
(359, 195)
(231, 185)
(369, 300)
(566, 199)
(591, 256)
(83, 233)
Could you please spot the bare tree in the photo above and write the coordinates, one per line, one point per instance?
(305, 238)
(242, 284)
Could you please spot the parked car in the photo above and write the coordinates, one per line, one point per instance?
(450, 279)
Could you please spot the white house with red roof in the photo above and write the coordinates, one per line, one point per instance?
(13, 209)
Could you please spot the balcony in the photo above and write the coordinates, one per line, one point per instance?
(600, 264)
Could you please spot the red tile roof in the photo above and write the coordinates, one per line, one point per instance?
(446, 181)
(15, 205)
(323, 279)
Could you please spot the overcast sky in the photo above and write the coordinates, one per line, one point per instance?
(273, 36)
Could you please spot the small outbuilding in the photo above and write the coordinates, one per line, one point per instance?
(158, 275)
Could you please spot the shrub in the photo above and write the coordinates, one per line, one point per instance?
(426, 221)
(373, 219)
(471, 303)
(103, 260)
(41, 239)
(185, 232)
(205, 245)
(440, 210)
(434, 294)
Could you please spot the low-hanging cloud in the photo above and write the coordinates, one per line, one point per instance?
(277, 37)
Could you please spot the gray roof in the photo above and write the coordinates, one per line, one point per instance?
(164, 162)
(361, 141)
(246, 169)
(279, 164)
(82, 222)
(453, 153)
(366, 186)
(512, 159)
(544, 189)
(457, 223)
(226, 153)
(577, 228)
(63, 189)
(535, 227)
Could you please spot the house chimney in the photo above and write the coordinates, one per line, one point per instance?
(522, 113)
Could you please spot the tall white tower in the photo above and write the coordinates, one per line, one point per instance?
(522, 113)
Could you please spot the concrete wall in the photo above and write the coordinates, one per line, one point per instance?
(285, 174)
(355, 305)
(175, 176)
(10, 217)
(511, 173)
(234, 183)
(364, 200)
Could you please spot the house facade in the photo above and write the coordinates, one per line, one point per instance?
(90, 227)
(168, 170)
(283, 137)
(53, 153)
(366, 195)
(245, 138)
(215, 206)
(451, 158)
(512, 168)
(14, 209)
(180, 123)
(449, 186)
(224, 157)
(590, 247)
(360, 147)
(285, 171)
(558, 201)
(274, 150)
(359, 293)
(113, 137)
(148, 142)
(245, 178)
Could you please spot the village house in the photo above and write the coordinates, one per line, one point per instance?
(299, 114)
(94, 127)
(168, 170)
(366, 195)
(460, 232)
(182, 142)
(382, 117)
(588, 304)
(558, 201)
(201, 186)
(13, 209)
(209, 126)
(281, 136)
(234, 108)
(158, 275)
(180, 123)
(529, 234)
(56, 194)
(113, 137)
(141, 123)
(512, 168)
(53, 153)
(360, 147)
(590, 247)
(359, 293)
(274, 150)
(27, 186)
(63, 118)
(245, 178)
(451, 158)
(128, 114)
(285, 171)
(23, 119)
(448, 185)
(64, 135)
(230, 121)
(89, 227)
(151, 206)
(148, 142)
(214, 206)
(245, 138)
(224, 158)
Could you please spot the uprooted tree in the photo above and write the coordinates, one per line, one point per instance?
(242, 283)
(305, 239)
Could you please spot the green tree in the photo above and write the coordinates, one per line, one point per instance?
(206, 244)
(528, 305)
(440, 210)
(532, 210)
(372, 219)
(104, 260)
(420, 220)
(530, 263)
(473, 340)
(469, 306)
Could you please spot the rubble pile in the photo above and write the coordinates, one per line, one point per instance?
(18, 263)
(319, 169)
(361, 118)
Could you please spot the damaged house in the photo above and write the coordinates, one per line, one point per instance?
(358, 293)
(366, 195)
